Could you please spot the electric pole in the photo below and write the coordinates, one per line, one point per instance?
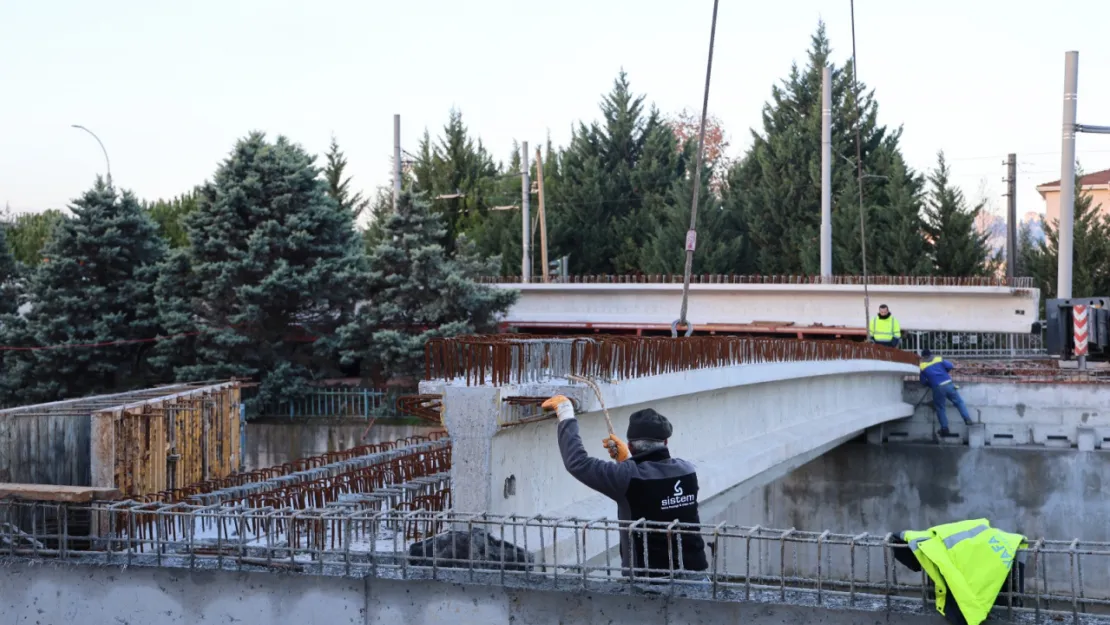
(396, 160)
(525, 217)
(543, 219)
(826, 173)
(1011, 216)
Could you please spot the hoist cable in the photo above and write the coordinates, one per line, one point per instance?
(859, 179)
(692, 234)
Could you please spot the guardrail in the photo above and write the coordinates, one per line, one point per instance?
(359, 403)
(1018, 283)
(976, 344)
(518, 358)
(829, 569)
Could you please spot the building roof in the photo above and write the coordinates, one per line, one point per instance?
(1097, 178)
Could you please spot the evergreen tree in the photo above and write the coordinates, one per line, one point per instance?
(605, 175)
(10, 274)
(94, 290)
(338, 186)
(957, 247)
(1090, 251)
(1026, 248)
(419, 293)
(29, 232)
(776, 187)
(169, 216)
(380, 209)
(271, 258)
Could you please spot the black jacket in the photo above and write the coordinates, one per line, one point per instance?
(652, 486)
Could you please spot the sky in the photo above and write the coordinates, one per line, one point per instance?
(169, 86)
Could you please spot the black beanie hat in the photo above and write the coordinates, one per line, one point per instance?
(648, 424)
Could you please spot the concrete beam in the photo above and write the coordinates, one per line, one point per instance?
(937, 308)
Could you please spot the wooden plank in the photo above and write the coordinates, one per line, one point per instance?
(49, 492)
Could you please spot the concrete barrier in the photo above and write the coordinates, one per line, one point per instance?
(939, 308)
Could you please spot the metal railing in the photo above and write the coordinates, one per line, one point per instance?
(519, 358)
(362, 403)
(980, 281)
(976, 344)
(1056, 580)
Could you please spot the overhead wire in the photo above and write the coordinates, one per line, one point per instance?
(692, 234)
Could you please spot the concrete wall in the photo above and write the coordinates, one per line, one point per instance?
(742, 426)
(1054, 415)
(272, 442)
(1050, 493)
(963, 309)
(112, 596)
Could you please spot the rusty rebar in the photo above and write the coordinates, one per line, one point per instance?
(961, 281)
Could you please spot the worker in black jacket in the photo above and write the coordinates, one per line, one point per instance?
(647, 483)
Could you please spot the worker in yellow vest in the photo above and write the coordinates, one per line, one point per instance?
(968, 562)
(885, 329)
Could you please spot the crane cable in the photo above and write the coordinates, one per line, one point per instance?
(692, 234)
(859, 179)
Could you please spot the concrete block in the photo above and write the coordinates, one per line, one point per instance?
(1086, 439)
(976, 435)
(875, 435)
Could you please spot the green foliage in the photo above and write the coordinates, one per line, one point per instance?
(272, 262)
(1090, 252)
(10, 275)
(169, 216)
(94, 287)
(957, 248)
(606, 175)
(419, 292)
(28, 233)
(338, 186)
(776, 187)
(380, 209)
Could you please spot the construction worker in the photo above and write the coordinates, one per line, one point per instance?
(934, 374)
(647, 483)
(885, 329)
(968, 562)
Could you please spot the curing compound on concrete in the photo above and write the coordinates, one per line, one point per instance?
(46, 594)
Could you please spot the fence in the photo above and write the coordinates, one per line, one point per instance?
(361, 403)
(745, 563)
(977, 281)
(517, 358)
(976, 344)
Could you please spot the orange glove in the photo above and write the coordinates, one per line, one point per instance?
(561, 405)
(618, 449)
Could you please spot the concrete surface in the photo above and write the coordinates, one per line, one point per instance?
(962, 309)
(49, 594)
(1052, 493)
(1041, 414)
(277, 441)
(737, 424)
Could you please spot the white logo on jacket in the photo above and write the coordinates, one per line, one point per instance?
(678, 500)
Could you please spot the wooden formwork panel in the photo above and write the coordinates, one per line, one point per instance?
(170, 442)
(45, 449)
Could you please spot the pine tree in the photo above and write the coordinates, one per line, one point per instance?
(1090, 251)
(605, 175)
(169, 216)
(338, 186)
(10, 275)
(1026, 248)
(271, 258)
(957, 247)
(29, 232)
(776, 187)
(380, 209)
(94, 289)
(419, 293)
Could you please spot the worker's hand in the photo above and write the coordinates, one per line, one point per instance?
(618, 449)
(561, 405)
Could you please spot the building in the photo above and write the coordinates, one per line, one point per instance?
(1096, 184)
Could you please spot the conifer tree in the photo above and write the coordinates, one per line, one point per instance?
(338, 185)
(1090, 251)
(419, 293)
(29, 232)
(956, 248)
(169, 216)
(93, 290)
(273, 267)
(10, 274)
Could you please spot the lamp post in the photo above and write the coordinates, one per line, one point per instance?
(107, 163)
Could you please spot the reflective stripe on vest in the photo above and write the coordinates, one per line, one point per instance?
(929, 363)
(885, 329)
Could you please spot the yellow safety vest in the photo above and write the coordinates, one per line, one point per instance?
(885, 329)
(925, 364)
(970, 559)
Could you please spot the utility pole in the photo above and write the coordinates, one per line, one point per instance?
(1067, 177)
(826, 173)
(525, 217)
(396, 159)
(107, 163)
(543, 220)
(1011, 215)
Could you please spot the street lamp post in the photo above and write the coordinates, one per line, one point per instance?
(107, 163)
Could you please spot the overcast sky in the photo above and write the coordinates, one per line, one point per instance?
(169, 86)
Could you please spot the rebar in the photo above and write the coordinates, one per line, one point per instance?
(963, 281)
(520, 358)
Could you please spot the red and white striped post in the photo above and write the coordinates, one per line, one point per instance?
(1079, 321)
